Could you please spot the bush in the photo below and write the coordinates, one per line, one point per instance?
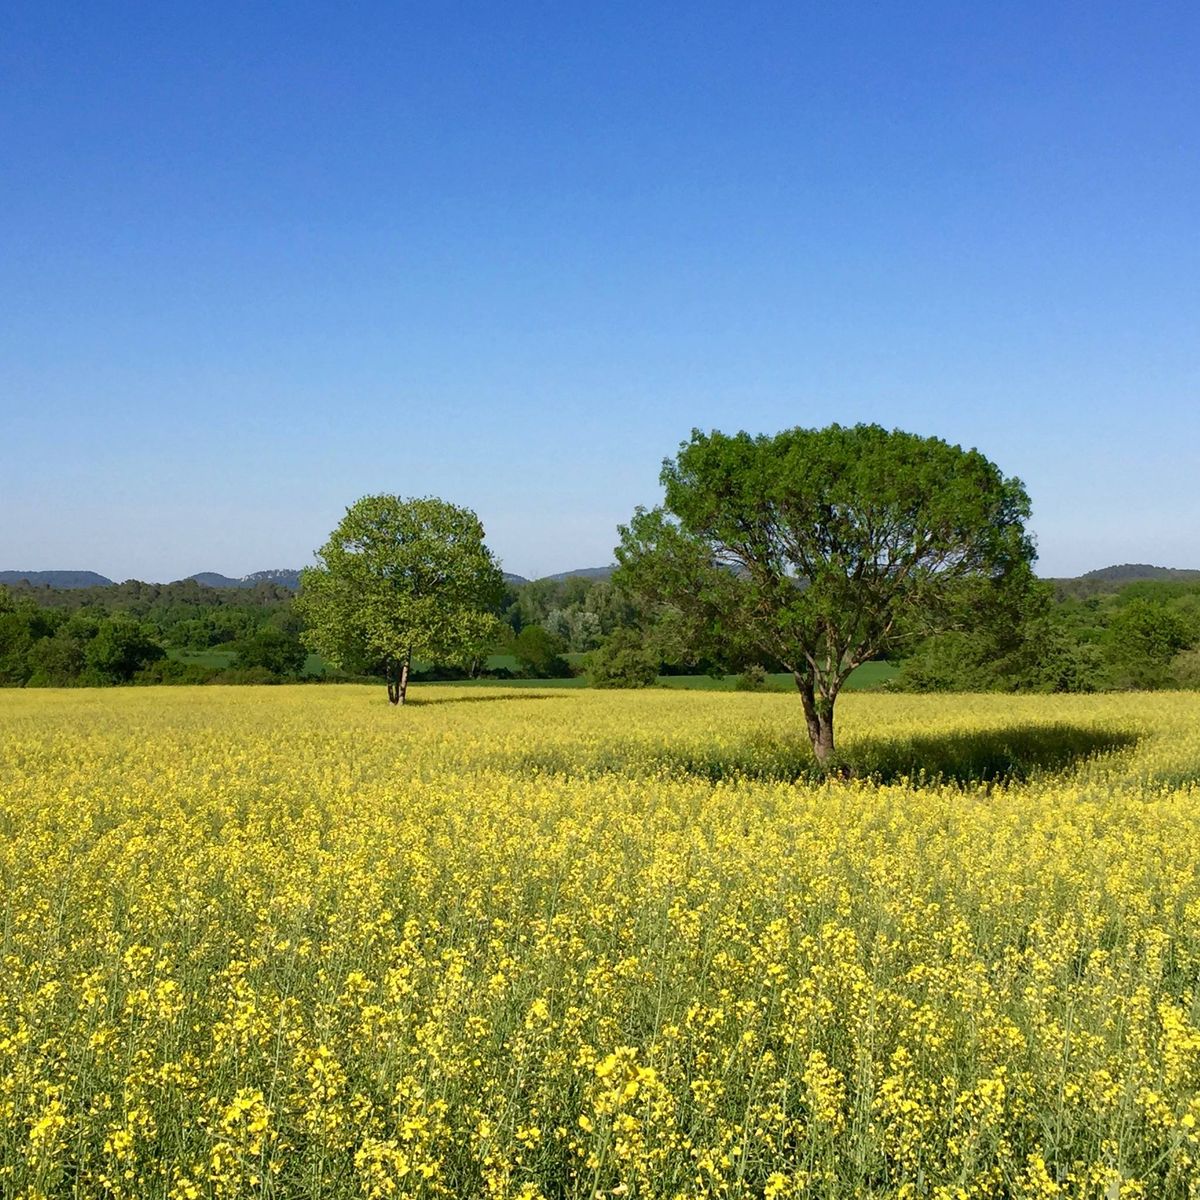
(279, 651)
(244, 675)
(1141, 643)
(950, 662)
(622, 662)
(57, 661)
(540, 654)
(120, 649)
(170, 670)
(1185, 669)
(752, 679)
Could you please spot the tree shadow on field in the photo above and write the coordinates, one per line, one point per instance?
(1010, 753)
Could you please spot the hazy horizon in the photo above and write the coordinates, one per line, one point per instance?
(164, 579)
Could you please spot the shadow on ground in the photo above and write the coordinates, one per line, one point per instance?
(1013, 752)
(422, 702)
(1010, 753)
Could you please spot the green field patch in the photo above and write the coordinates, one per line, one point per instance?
(869, 675)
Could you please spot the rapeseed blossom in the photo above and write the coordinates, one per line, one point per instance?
(289, 942)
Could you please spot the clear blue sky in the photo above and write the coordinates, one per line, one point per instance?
(256, 261)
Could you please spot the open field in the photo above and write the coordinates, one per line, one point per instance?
(869, 675)
(290, 942)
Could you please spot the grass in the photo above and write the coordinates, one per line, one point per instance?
(869, 675)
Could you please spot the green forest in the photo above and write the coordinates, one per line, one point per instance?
(1091, 634)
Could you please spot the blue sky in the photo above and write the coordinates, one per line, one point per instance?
(256, 261)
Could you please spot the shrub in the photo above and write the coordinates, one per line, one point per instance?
(622, 662)
(120, 649)
(1185, 668)
(752, 679)
(279, 651)
(245, 675)
(540, 654)
(1141, 642)
(170, 670)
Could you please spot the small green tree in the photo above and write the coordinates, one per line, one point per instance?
(1185, 669)
(540, 653)
(274, 649)
(22, 626)
(57, 661)
(622, 661)
(816, 547)
(1033, 649)
(120, 648)
(1140, 642)
(400, 579)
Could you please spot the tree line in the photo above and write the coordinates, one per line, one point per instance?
(1131, 635)
(813, 550)
(808, 553)
(145, 633)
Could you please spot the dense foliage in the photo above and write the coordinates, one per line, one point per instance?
(824, 547)
(623, 661)
(1144, 635)
(397, 579)
(1137, 635)
(271, 943)
(539, 653)
(146, 633)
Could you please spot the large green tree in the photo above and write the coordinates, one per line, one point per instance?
(120, 648)
(819, 547)
(398, 579)
(1142, 639)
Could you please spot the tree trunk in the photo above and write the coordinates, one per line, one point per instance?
(818, 715)
(403, 684)
(397, 678)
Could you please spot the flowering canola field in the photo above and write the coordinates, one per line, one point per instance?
(290, 942)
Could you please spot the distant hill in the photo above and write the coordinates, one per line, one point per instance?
(1107, 580)
(583, 573)
(1104, 579)
(1134, 572)
(291, 579)
(56, 579)
(283, 577)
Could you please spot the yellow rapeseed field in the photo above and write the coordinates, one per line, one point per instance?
(290, 942)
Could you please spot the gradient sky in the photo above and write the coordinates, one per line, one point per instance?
(256, 261)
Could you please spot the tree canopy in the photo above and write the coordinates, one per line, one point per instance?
(821, 547)
(397, 579)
